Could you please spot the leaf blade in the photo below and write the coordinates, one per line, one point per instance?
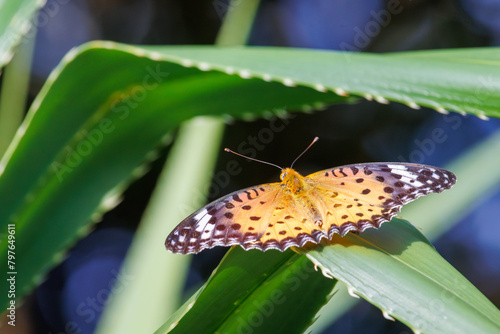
(398, 270)
(251, 290)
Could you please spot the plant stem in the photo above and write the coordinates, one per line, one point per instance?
(158, 277)
(14, 92)
(155, 292)
(237, 23)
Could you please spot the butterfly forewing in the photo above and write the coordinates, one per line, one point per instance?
(238, 218)
(356, 197)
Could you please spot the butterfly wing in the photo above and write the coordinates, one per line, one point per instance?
(339, 200)
(237, 218)
(356, 197)
(289, 224)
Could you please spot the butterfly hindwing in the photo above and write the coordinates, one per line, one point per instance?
(238, 218)
(356, 197)
(287, 226)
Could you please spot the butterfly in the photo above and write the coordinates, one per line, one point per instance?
(300, 209)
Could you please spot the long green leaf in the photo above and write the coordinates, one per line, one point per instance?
(459, 80)
(394, 268)
(398, 270)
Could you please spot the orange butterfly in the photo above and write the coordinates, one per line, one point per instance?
(301, 209)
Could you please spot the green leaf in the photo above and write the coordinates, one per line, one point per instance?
(16, 19)
(251, 291)
(459, 80)
(394, 268)
(398, 270)
(436, 213)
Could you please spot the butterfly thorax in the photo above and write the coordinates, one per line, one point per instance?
(293, 181)
(297, 191)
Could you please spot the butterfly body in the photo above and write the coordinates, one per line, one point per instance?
(301, 209)
(298, 190)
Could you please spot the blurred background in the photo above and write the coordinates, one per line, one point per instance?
(76, 291)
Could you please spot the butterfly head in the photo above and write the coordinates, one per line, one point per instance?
(292, 180)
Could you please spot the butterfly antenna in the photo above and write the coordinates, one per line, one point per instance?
(244, 156)
(311, 144)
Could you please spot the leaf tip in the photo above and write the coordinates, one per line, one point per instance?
(289, 82)
(341, 92)
(320, 88)
(155, 56)
(187, 63)
(381, 99)
(267, 77)
(352, 292)
(483, 117)
(441, 110)
(387, 315)
(111, 201)
(244, 74)
(204, 66)
(413, 105)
